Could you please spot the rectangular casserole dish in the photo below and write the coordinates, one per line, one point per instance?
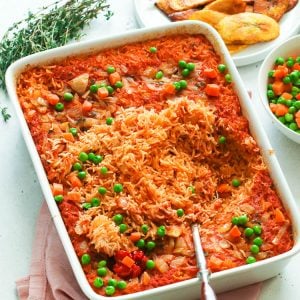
(223, 280)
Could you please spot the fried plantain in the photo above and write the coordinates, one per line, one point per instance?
(179, 5)
(247, 28)
(229, 7)
(292, 4)
(272, 8)
(209, 16)
(182, 15)
(164, 6)
(235, 48)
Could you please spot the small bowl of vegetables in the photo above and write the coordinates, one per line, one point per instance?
(279, 87)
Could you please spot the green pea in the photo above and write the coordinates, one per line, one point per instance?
(81, 174)
(153, 49)
(98, 282)
(286, 80)
(290, 63)
(293, 126)
(150, 264)
(119, 84)
(102, 271)
(289, 117)
(235, 182)
(274, 101)
(235, 220)
(270, 94)
(110, 290)
(86, 205)
(250, 260)
(228, 78)
(102, 190)
(110, 89)
(294, 76)
(279, 61)
(58, 198)
(282, 120)
(103, 170)
(97, 159)
(192, 189)
(161, 231)
(59, 107)
(68, 96)
(222, 68)
(297, 104)
(85, 259)
(140, 244)
(159, 75)
(248, 232)
(222, 139)
(121, 284)
(144, 228)
(122, 228)
(180, 212)
(257, 229)
(83, 156)
(258, 241)
(190, 66)
(118, 187)
(94, 88)
(77, 166)
(281, 100)
(185, 72)
(292, 109)
(254, 249)
(109, 121)
(112, 282)
(182, 64)
(150, 245)
(110, 69)
(102, 263)
(91, 156)
(271, 73)
(288, 103)
(270, 87)
(242, 220)
(118, 219)
(95, 202)
(73, 130)
(177, 85)
(298, 59)
(183, 84)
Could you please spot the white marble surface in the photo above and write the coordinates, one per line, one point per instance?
(20, 193)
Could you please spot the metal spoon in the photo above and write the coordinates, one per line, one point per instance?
(207, 292)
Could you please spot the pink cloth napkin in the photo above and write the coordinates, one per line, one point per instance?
(51, 277)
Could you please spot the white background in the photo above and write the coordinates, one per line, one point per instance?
(20, 193)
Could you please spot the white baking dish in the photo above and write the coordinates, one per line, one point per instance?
(190, 289)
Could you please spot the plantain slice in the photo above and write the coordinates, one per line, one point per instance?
(229, 7)
(179, 5)
(182, 15)
(209, 16)
(292, 4)
(247, 28)
(272, 8)
(236, 48)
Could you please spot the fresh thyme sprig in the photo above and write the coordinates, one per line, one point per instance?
(50, 27)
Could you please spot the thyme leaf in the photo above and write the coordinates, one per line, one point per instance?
(52, 26)
(5, 115)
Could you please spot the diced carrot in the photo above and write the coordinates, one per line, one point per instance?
(135, 236)
(297, 120)
(223, 188)
(68, 136)
(102, 92)
(74, 180)
(57, 189)
(278, 87)
(64, 126)
(169, 88)
(296, 66)
(298, 96)
(74, 196)
(281, 110)
(273, 107)
(128, 261)
(279, 216)
(114, 77)
(297, 114)
(212, 89)
(86, 106)
(287, 96)
(235, 232)
(52, 98)
(288, 87)
(281, 71)
(210, 73)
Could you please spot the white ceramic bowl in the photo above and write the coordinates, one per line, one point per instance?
(188, 289)
(286, 49)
